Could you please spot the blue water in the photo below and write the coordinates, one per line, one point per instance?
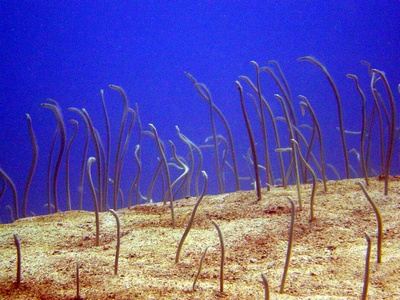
(69, 51)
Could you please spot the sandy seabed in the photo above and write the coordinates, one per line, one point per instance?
(327, 262)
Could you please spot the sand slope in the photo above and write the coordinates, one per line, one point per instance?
(327, 262)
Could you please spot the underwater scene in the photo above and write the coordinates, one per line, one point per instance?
(138, 109)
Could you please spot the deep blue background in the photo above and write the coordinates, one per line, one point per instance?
(69, 50)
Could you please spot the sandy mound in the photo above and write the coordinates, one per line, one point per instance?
(327, 261)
